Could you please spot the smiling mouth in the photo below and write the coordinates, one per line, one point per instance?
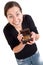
(17, 23)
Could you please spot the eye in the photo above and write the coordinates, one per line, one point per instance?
(10, 16)
(17, 14)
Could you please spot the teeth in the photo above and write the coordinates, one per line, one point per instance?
(17, 23)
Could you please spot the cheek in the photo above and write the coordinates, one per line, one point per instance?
(10, 21)
(21, 17)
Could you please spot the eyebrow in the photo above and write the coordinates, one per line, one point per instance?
(17, 11)
(9, 14)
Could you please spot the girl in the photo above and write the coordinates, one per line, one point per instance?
(25, 53)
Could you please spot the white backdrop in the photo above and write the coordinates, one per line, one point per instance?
(35, 9)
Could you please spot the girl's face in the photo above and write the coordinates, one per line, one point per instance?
(14, 16)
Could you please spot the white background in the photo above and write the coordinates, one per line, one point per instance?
(35, 9)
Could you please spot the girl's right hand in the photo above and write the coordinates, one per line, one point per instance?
(20, 36)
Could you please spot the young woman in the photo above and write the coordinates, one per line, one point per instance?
(25, 53)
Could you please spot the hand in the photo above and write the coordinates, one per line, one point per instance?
(33, 35)
(20, 36)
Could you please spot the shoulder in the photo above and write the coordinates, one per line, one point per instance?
(26, 16)
(7, 28)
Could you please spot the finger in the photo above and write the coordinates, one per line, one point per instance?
(29, 43)
(32, 41)
(31, 32)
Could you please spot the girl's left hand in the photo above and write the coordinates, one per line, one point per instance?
(33, 35)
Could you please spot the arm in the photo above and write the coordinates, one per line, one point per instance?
(35, 35)
(15, 45)
(34, 32)
(18, 48)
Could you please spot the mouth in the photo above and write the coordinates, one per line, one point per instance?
(17, 23)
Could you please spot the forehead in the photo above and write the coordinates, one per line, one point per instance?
(14, 9)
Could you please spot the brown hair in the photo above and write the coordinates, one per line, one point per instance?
(9, 5)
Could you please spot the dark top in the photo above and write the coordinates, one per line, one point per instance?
(11, 36)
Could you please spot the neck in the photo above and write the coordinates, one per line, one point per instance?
(18, 27)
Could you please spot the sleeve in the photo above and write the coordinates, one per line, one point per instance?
(12, 41)
(32, 24)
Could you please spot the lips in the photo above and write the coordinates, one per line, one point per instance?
(17, 23)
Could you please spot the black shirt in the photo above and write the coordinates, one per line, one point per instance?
(11, 36)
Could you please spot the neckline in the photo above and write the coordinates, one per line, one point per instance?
(15, 28)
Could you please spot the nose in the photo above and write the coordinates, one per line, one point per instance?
(15, 18)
